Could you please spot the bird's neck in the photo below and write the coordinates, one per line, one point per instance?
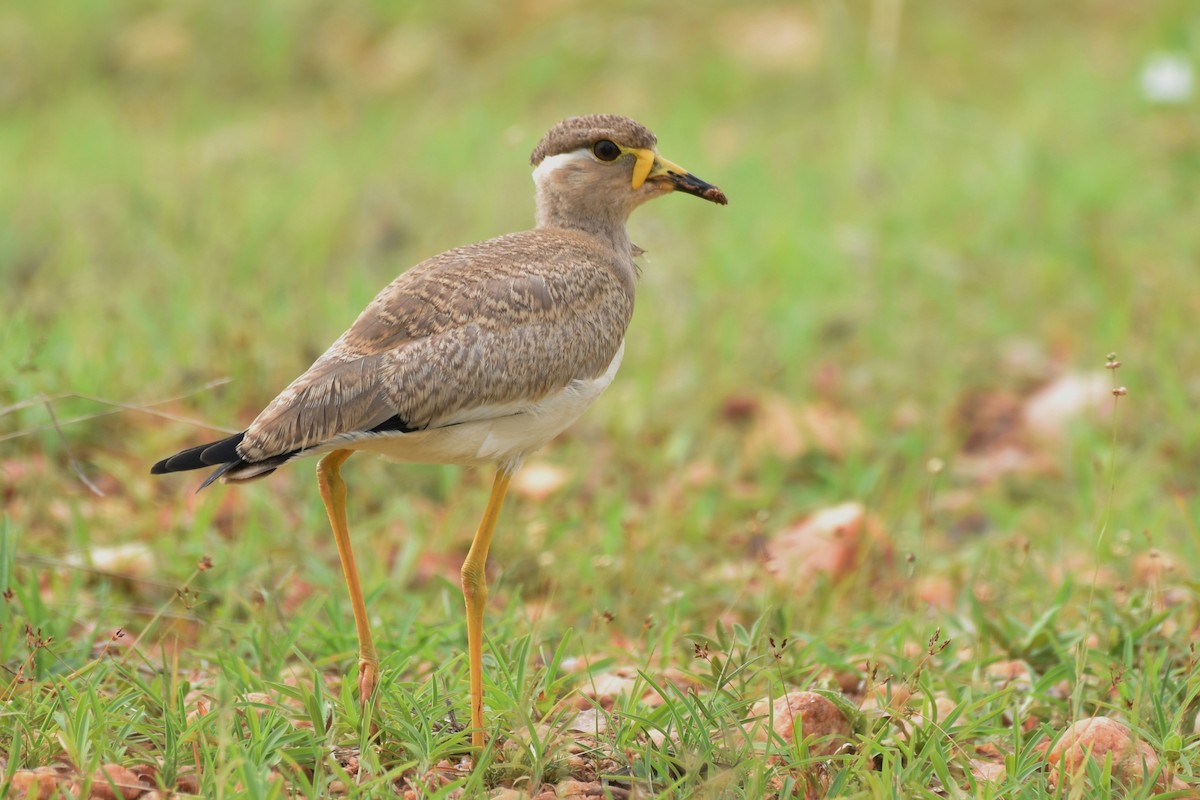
(611, 231)
(568, 202)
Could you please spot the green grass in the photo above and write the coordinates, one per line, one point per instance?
(934, 210)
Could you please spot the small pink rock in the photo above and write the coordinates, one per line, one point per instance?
(34, 784)
(605, 687)
(833, 541)
(987, 771)
(783, 431)
(886, 698)
(943, 707)
(577, 790)
(1100, 738)
(1009, 673)
(935, 591)
(1051, 409)
(820, 720)
(114, 782)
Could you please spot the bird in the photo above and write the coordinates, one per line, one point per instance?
(478, 356)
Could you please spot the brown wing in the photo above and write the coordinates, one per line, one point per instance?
(491, 325)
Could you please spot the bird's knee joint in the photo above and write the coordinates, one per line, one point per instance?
(474, 582)
(324, 476)
(329, 480)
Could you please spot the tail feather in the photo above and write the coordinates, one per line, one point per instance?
(218, 472)
(222, 454)
(212, 454)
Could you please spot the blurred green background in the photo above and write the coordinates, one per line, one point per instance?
(936, 210)
(929, 203)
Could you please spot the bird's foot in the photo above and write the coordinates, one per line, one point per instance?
(368, 679)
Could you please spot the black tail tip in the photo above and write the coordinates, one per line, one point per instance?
(212, 454)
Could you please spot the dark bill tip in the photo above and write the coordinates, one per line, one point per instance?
(689, 183)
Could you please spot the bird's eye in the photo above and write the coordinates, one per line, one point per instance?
(606, 150)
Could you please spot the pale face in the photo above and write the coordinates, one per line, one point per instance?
(608, 174)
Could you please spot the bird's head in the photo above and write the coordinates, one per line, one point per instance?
(601, 167)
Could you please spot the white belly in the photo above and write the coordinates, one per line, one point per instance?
(505, 438)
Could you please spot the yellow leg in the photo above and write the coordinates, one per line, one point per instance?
(333, 493)
(474, 583)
